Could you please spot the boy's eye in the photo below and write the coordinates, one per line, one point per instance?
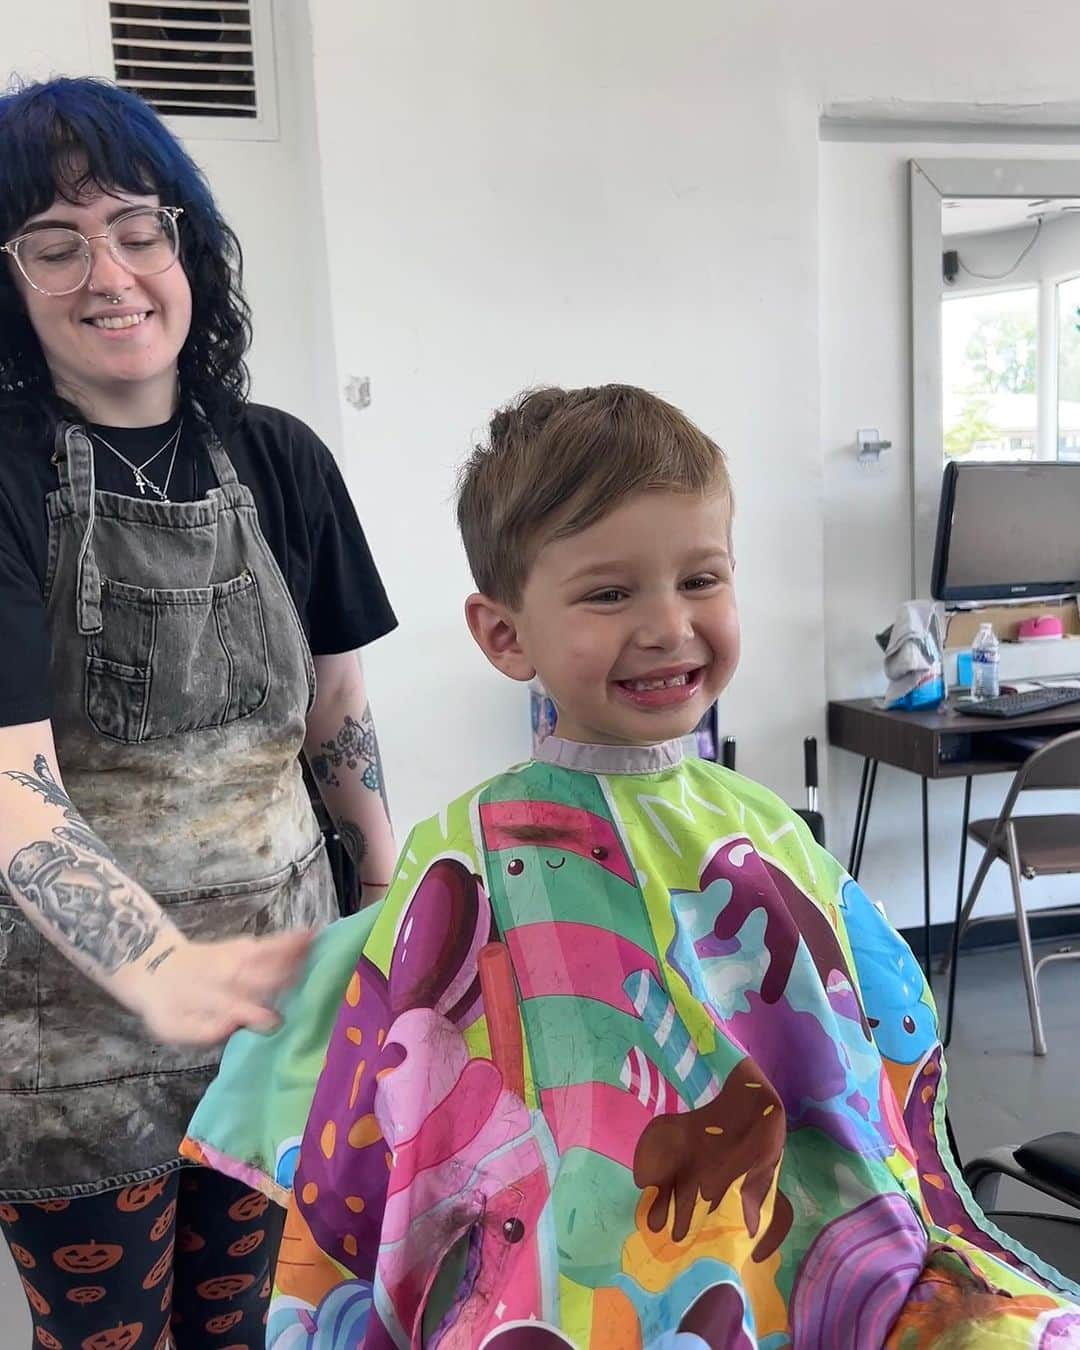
(611, 596)
(700, 583)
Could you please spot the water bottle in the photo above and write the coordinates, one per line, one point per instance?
(985, 655)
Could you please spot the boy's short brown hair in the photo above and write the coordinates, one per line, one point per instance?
(557, 460)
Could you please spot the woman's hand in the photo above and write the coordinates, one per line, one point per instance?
(187, 993)
(199, 993)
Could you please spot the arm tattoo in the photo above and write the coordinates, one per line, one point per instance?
(76, 885)
(353, 841)
(354, 745)
(42, 782)
(159, 960)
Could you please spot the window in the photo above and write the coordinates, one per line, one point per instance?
(998, 386)
(989, 345)
(1068, 369)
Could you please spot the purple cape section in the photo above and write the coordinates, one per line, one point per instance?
(856, 1277)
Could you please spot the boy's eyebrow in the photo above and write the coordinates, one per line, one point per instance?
(595, 570)
(694, 559)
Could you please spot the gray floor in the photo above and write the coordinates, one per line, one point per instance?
(999, 1092)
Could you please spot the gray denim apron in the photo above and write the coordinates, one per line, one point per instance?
(181, 684)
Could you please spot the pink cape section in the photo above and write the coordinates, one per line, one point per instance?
(554, 960)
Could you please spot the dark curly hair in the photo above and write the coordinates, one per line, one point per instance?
(79, 137)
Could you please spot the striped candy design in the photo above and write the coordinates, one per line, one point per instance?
(684, 1069)
(640, 1076)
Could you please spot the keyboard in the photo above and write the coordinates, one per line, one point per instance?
(1020, 705)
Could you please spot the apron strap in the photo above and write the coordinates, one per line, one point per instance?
(219, 459)
(73, 456)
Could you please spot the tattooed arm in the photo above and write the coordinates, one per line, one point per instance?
(343, 751)
(72, 889)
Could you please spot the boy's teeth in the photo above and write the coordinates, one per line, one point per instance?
(643, 686)
(112, 321)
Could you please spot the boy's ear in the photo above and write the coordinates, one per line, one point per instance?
(495, 632)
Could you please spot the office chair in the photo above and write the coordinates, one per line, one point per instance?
(809, 813)
(1031, 846)
(1050, 1165)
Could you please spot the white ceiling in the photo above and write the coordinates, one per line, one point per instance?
(980, 215)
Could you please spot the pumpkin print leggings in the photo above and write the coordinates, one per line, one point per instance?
(188, 1255)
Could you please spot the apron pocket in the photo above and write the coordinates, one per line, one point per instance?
(20, 954)
(172, 661)
(116, 698)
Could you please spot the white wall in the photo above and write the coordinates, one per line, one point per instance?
(268, 190)
(865, 381)
(560, 193)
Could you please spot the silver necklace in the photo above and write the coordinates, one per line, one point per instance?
(142, 481)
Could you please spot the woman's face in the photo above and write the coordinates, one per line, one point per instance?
(94, 363)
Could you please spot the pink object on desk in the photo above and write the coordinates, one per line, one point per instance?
(1046, 628)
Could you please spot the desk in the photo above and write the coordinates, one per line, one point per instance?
(932, 745)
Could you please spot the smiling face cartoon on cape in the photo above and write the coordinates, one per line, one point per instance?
(568, 908)
(654, 1142)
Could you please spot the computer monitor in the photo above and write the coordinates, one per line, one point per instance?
(1007, 532)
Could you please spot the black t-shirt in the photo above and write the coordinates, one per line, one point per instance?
(304, 509)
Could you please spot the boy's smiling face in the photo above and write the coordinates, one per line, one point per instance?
(631, 623)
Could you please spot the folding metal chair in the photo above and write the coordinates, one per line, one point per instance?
(1032, 846)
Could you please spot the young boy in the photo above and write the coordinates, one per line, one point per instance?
(624, 1059)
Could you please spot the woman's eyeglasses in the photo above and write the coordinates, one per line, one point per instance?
(57, 261)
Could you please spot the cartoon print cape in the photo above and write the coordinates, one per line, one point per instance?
(624, 1061)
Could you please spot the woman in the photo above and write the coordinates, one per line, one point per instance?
(170, 558)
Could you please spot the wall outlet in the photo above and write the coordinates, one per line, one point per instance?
(358, 391)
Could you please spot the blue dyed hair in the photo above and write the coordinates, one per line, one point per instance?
(79, 137)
